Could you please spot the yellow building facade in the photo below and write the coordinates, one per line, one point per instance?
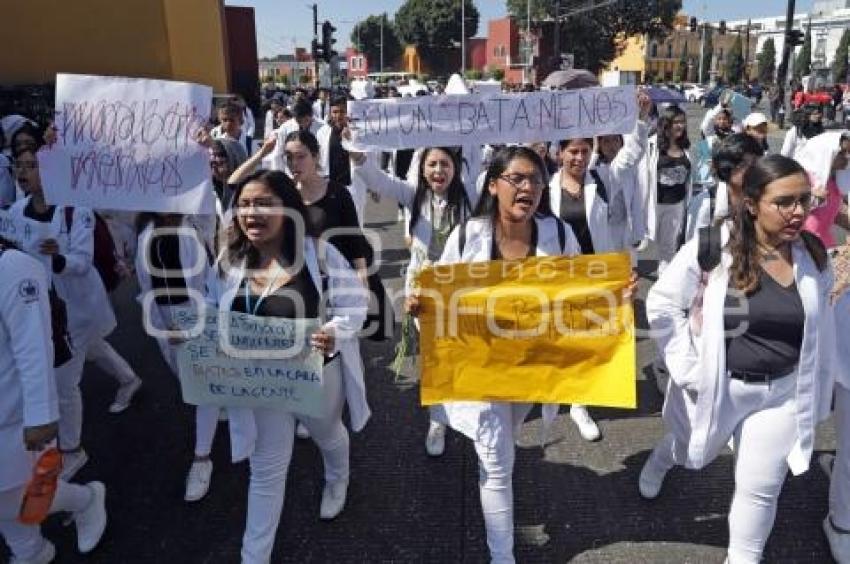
(165, 39)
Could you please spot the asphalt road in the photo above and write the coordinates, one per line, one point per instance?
(574, 501)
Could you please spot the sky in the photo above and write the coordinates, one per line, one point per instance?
(282, 24)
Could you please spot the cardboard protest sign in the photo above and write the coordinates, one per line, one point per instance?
(128, 144)
(491, 118)
(545, 329)
(239, 360)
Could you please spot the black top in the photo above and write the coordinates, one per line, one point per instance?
(338, 162)
(165, 255)
(573, 213)
(297, 299)
(772, 325)
(673, 173)
(335, 210)
(496, 254)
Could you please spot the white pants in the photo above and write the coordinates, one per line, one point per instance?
(669, 218)
(270, 464)
(206, 416)
(68, 378)
(25, 541)
(762, 421)
(107, 359)
(839, 488)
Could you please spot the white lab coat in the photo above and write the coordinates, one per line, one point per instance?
(385, 184)
(648, 187)
(842, 327)
(248, 122)
(90, 314)
(317, 110)
(620, 179)
(697, 362)
(244, 138)
(347, 305)
(194, 258)
(596, 210)
(7, 182)
(26, 363)
(486, 421)
(699, 209)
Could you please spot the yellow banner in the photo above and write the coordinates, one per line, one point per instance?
(545, 329)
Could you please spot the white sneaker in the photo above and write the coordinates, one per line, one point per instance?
(333, 499)
(91, 521)
(651, 479)
(198, 480)
(72, 462)
(435, 442)
(44, 556)
(587, 427)
(839, 543)
(125, 394)
(301, 431)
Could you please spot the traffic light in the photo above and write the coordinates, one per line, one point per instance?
(693, 25)
(722, 29)
(328, 41)
(316, 50)
(795, 37)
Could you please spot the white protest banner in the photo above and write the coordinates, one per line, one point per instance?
(491, 118)
(239, 360)
(128, 144)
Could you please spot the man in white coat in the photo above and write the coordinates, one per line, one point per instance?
(302, 119)
(29, 413)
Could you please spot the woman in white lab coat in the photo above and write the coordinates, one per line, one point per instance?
(270, 257)
(67, 255)
(752, 361)
(29, 412)
(512, 222)
(437, 202)
(172, 265)
(665, 180)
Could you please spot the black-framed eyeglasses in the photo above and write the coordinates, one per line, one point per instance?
(517, 180)
(788, 204)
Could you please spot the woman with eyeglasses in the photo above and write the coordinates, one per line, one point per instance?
(172, 265)
(273, 266)
(749, 345)
(437, 202)
(512, 221)
(665, 182)
(63, 240)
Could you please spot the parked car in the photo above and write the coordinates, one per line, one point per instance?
(710, 98)
(694, 92)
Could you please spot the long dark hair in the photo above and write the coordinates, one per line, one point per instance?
(743, 243)
(455, 194)
(239, 247)
(665, 123)
(488, 205)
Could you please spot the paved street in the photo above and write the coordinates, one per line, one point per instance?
(574, 501)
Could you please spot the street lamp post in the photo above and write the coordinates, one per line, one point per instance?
(463, 38)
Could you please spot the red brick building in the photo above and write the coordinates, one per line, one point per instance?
(358, 63)
(504, 50)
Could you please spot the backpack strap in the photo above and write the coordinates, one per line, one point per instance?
(562, 235)
(600, 186)
(708, 250)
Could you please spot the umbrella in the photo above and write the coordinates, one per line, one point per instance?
(664, 96)
(570, 79)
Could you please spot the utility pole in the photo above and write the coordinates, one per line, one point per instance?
(463, 38)
(315, 39)
(702, 52)
(557, 34)
(747, 54)
(782, 73)
(383, 17)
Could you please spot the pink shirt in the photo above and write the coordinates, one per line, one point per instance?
(821, 218)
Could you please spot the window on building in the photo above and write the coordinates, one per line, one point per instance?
(669, 50)
(653, 50)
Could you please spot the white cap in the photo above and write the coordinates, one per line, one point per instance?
(754, 119)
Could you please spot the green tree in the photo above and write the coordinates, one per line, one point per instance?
(366, 37)
(803, 62)
(839, 65)
(496, 73)
(735, 62)
(434, 27)
(596, 38)
(767, 62)
(706, 56)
